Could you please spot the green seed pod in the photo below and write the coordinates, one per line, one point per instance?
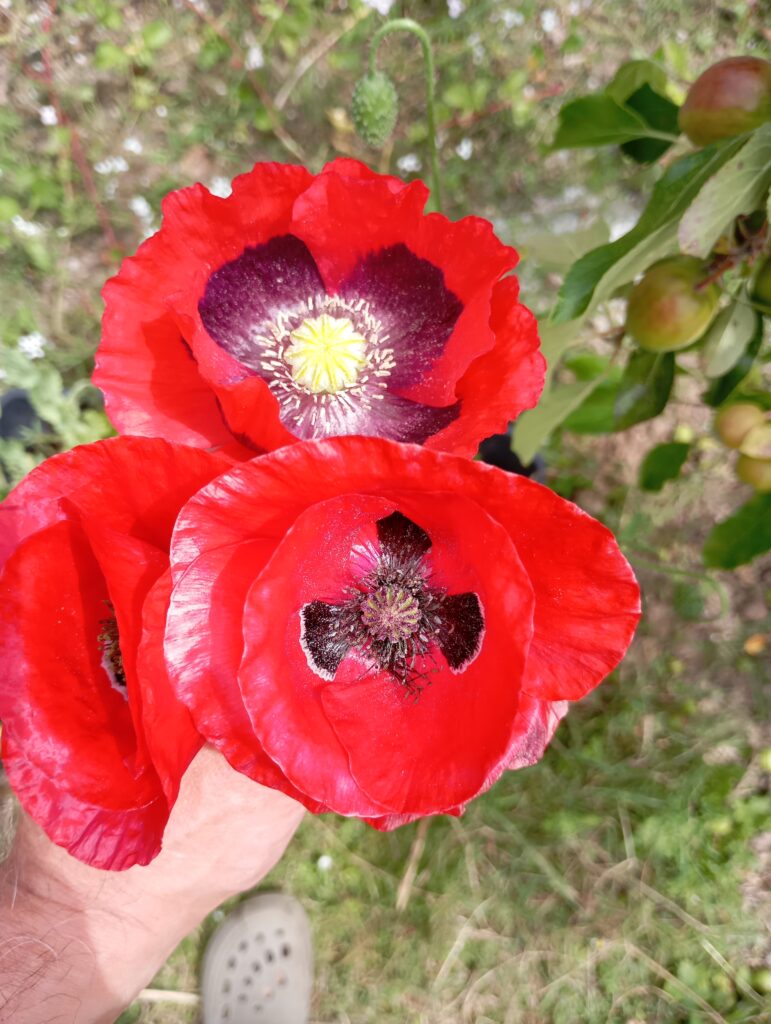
(374, 108)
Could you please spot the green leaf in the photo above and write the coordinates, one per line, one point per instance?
(597, 121)
(596, 415)
(661, 114)
(739, 186)
(742, 537)
(157, 34)
(644, 388)
(720, 389)
(727, 338)
(634, 74)
(599, 272)
(662, 463)
(558, 251)
(534, 426)
(111, 57)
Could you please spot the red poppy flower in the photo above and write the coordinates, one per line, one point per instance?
(94, 741)
(304, 307)
(381, 630)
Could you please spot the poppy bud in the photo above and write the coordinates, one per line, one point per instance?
(375, 106)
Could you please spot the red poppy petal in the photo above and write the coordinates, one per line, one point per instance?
(341, 219)
(458, 730)
(133, 485)
(282, 695)
(203, 646)
(460, 721)
(151, 383)
(171, 738)
(503, 382)
(107, 838)
(587, 600)
(56, 699)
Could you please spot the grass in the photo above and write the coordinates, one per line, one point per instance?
(619, 880)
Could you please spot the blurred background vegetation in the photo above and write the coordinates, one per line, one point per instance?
(625, 878)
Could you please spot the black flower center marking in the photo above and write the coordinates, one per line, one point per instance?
(394, 616)
(109, 645)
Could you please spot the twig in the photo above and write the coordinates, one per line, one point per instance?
(165, 995)
(408, 879)
(460, 941)
(314, 55)
(239, 61)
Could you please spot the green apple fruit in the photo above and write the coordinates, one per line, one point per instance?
(731, 97)
(666, 312)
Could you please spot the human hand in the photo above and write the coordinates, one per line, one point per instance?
(77, 943)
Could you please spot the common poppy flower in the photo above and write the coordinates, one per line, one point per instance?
(94, 742)
(382, 630)
(305, 306)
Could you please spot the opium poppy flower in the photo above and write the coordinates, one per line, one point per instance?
(305, 306)
(94, 742)
(382, 630)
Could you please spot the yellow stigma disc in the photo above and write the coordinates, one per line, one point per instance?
(327, 354)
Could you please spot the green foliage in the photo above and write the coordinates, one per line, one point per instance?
(739, 186)
(596, 276)
(663, 463)
(742, 537)
(644, 388)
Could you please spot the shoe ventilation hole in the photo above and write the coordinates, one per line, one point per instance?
(286, 949)
(247, 981)
(270, 956)
(225, 1013)
(279, 933)
(226, 986)
(243, 945)
(256, 966)
(257, 1007)
(268, 993)
(242, 997)
(231, 962)
(259, 937)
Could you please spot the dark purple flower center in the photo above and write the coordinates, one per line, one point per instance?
(393, 616)
(109, 646)
(336, 364)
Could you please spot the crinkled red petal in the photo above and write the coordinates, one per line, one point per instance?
(56, 701)
(503, 382)
(152, 384)
(437, 751)
(587, 599)
(204, 642)
(109, 838)
(170, 736)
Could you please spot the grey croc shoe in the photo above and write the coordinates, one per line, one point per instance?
(258, 965)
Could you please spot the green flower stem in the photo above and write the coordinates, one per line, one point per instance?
(408, 25)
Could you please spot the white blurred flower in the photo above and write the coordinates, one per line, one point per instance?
(255, 58)
(33, 345)
(381, 6)
(549, 21)
(26, 228)
(162, 110)
(220, 186)
(133, 145)
(325, 862)
(465, 149)
(512, 18)
(140, 207)
(409, 163)
(48, 115)
(112, 165)
(455, 8)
